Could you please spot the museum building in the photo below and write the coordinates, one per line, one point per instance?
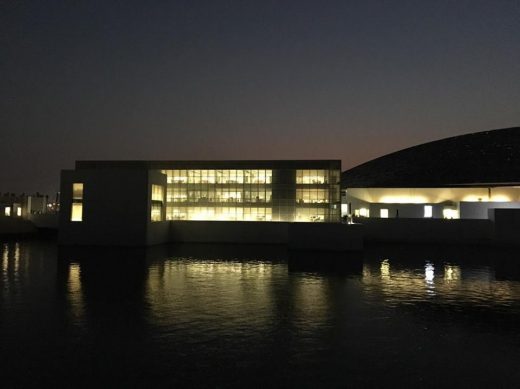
(113, 201)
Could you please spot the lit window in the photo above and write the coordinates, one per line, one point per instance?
(156, 213)
(428, 211)
(450, 213)
(383, 213)
(77, 191)
(76, 214)
(7, 211)
(157, 193)
(18, 211)
(364, 212)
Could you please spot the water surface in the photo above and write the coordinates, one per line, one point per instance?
(224, 316)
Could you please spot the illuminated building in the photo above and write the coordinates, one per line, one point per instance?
(460, 177)
(103, 199)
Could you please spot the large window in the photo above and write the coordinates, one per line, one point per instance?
(76, 213)
(157, 203)
(157, 193)
(251, 195)
(312, 177)
(311, 214)
(219, 176)
(312, 196)
(156, 213)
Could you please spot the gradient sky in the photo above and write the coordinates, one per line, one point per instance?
(348, 80)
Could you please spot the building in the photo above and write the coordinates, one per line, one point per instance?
(459, 177)
(117, 202)
(22, 205)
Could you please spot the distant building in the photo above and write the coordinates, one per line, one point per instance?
(459, 177)
(22, 205)
(114, 202)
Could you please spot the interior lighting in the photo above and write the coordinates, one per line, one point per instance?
(500, 198)
(77, 212)
(449, 213)
(403, 199)
(429, 273)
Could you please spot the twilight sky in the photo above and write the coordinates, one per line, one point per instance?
(348, 80)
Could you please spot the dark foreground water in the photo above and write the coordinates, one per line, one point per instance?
(224, 316)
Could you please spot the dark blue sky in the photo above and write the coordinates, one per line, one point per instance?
(350, 80)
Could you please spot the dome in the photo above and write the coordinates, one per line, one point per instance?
(481, 158)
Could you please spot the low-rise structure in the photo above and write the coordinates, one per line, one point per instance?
(460, 177)
(135, 202)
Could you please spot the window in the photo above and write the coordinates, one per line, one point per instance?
(428, 211)
(450, 213)
(312, 196)
(157, 193)
(364, 212)
(76, 213)
(7, 211)
(156, 213)
(157, 203)
(312, 176)
(383, 213)
(19, 211)
(77, 191)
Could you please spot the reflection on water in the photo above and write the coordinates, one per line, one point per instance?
(236, 316)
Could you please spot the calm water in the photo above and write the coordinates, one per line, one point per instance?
(224, 316)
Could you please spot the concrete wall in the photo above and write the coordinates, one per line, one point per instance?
(507, 225)
(229, 232)
(15, 225)
(298, 236)
(427, 230)
(325, 236)
(406, 210)
(45, 220)
(480, 210)
(115, 208)
(434, 195)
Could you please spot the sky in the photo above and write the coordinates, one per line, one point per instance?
(173, 80)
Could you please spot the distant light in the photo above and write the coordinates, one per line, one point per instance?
(385, 268)
(405, 199)
(451, 272)
(450, 213)
(429, 273)
(500, 198)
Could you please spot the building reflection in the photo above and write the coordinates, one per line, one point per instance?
(404, 277)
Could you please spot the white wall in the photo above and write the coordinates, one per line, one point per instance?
(480, 210)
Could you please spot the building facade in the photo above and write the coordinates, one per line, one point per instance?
(465, 176)
(103, 201)
(469, 202)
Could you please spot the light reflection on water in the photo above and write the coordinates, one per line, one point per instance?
(237, 313)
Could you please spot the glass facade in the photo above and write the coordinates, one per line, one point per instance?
(253, 194)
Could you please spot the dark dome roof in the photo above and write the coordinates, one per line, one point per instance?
(488, 157)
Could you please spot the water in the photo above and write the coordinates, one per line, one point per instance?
(224, 316)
